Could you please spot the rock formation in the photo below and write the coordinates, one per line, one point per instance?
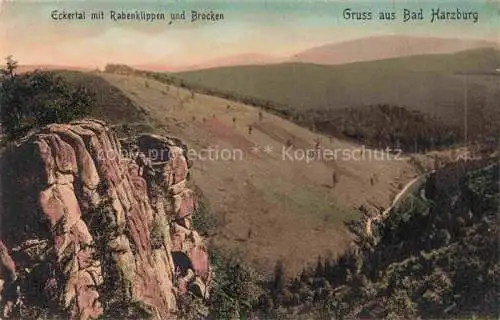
(94, 226)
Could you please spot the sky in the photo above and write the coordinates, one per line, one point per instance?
(277, 28)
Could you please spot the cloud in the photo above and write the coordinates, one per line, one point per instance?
(120, 45)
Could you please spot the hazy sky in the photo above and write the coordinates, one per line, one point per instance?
(279, 28)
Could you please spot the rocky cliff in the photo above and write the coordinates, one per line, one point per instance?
(93, 226)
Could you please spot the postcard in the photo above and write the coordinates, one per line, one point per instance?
(255, 159)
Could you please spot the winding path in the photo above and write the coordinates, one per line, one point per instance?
(410, 188)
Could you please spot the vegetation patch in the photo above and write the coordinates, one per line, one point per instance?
(35, 99)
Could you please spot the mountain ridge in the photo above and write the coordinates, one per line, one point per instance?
(337, 53)
(385, 47)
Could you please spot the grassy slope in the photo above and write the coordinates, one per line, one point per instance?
(429, 83)
(111, 104)
(271, 209)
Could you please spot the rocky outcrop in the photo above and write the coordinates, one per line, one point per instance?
(94, 226)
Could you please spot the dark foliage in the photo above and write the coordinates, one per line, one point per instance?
(35, 99)
(204, 220)
(386, 126)
(235, 288)
(118, 68)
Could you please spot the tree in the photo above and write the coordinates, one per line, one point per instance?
(11, 66)
(235, 288)
(319, 271)
(278, 283)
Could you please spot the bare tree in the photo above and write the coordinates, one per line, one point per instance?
(11, 66)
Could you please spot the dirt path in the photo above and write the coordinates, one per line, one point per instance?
(410, 188)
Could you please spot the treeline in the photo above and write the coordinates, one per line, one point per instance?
(119, 69)
(386, 126)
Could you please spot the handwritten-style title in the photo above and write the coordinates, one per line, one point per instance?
(136, 15)
(406, 15)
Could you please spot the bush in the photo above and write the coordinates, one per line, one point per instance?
(205, 221)
(35, 99)
(235, 289)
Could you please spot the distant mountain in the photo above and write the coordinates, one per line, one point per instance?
(365, 49)
(247, 59)
(385, 47)
(237, 60)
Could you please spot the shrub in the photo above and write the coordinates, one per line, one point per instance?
(35, 99)
(235, 289)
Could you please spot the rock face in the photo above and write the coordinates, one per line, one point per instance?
(93, 226)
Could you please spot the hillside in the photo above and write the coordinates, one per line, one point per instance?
(110, 103)
(268, 207)
(433, 84)
(435, 257)
(385, 47)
